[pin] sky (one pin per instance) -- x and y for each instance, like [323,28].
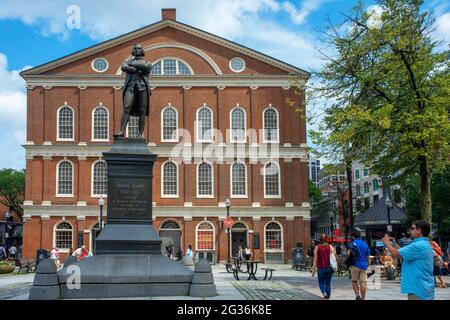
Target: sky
[36,32]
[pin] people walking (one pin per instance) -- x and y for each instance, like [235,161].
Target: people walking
[417,279]
[12,252]
[322,264]
[438,263]
[358,270]
[247,254]
[54,256]
[3,254]
[310,253]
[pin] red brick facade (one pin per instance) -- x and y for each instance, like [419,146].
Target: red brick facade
[264,82]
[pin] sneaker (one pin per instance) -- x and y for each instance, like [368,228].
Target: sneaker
[325,296]
[358,297]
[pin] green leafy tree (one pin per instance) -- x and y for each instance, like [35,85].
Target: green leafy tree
[440,184]
[388,88]
[12,189]
[314,192]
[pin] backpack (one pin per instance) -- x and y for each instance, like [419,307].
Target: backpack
[351,258]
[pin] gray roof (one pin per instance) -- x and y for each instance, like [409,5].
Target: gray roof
[378,215]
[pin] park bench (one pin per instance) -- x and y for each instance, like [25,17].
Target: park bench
[269,272]
[28,264]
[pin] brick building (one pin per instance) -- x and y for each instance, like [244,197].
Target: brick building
[218,122]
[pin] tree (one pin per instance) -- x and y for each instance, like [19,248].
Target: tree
[314,192]
[389,88]
[440,184]
[12,189]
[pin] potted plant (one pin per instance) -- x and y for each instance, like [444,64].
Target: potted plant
[7,266]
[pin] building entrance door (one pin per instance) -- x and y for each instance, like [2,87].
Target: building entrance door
[170,233]
[238,237]
[94,234]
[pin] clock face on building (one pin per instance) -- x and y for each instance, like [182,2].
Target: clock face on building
[237,64]
[100,65]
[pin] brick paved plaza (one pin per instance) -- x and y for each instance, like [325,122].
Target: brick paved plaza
[286,284]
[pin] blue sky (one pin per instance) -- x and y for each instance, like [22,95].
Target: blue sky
[36,32]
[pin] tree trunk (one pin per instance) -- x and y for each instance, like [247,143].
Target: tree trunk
[350,193]
[425,190]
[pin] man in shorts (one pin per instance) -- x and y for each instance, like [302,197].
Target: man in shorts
[359,268]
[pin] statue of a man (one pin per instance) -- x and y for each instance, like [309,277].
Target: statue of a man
[136,90]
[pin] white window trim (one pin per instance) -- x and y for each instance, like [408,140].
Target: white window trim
[197,125]
[266,196]
[54,236]
[364,175]
[57,124]
[366,192]
[231,126]
[176,126]
[212,182]
[214,236]
[104,59]
[57,180]
[264,125]
[357,179]
[162,182]
[282,238]
[94,195]
[176,66]
[92,124]
[243,68]
[231,182]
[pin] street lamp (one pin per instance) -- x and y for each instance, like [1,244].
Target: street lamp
[101,203]
[332,227]
[228,205]
[389,206]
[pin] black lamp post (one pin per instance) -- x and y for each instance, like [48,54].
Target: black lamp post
[228,205]
[101,203]
[389,206]
[332,227]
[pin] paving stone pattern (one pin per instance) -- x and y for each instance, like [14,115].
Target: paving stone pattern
[271,290]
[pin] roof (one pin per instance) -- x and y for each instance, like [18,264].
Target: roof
[157,26]
[378,215]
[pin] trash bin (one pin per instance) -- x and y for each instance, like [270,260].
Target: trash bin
[42,254]
[298,259]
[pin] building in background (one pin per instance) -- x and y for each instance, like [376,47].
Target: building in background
[313,169]
[203,87]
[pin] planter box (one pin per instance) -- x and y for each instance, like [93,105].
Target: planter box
[7,269]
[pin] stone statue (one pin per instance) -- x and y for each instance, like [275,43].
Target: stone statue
[136,90]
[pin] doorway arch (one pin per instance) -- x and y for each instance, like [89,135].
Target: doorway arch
[95,230]
[170,233]
[239,237]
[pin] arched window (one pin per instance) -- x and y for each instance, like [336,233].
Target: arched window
[238,180]
[375,184]
[65,123]
[238,125]
[204,125]
[133,127]
[239,226]
[99,179]
[63,235]
[272,180]
[271,125]
[64,178]
[170,225]
[171,66]
[169,125]
[205,236]
[205,180]
[169,179]
[366,187]
[274,236]
[100,130]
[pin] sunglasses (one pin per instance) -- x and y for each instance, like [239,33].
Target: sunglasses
[412,228]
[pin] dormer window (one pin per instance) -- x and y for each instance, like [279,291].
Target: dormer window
[171,66]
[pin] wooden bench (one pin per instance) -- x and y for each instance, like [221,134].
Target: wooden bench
[269,272]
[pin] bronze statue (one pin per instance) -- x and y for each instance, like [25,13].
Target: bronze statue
[136,90]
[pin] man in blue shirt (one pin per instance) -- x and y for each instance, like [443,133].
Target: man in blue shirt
[359,268]
[417,268]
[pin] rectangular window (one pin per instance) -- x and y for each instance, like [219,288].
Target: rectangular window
[366,172]
[357,177]
[205,240]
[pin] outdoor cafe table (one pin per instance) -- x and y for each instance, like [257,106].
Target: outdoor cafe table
[252,267]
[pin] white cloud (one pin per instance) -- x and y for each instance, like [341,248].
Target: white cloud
[299,16]
[374,21]
[13,103]
[443,28]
